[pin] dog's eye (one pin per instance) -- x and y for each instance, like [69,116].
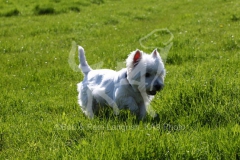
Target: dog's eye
[147,75]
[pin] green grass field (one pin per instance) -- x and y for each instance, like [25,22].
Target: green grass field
[199,108]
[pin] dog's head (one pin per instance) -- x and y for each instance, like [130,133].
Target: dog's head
[145,72]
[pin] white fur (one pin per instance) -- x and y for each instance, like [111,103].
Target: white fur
[131,88]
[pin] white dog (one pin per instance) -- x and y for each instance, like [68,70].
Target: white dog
[130,88]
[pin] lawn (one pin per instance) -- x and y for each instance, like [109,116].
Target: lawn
[199,108]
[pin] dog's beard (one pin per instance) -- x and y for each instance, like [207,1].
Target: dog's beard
[152,93]
[142,87]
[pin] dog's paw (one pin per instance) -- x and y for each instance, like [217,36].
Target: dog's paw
[116,110]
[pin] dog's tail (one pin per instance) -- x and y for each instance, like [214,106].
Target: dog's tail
[83,63]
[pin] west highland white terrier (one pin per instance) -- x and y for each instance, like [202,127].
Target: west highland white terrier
[131,88]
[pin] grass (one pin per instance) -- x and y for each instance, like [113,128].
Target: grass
[198,108]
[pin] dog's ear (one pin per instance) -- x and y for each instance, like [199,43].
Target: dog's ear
[137,57]
[155,54]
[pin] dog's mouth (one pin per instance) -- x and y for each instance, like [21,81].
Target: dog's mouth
[151,92]
[157,88]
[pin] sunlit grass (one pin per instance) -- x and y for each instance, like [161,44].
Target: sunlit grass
[198,110]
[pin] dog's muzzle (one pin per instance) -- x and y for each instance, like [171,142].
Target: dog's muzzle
[156,88]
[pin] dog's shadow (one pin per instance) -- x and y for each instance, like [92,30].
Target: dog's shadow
[124,116]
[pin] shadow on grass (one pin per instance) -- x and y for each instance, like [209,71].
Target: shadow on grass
[14,12]
[106,113]
[49,10]
[44,10]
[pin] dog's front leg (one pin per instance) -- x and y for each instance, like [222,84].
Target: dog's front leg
[142,111]
[127,103]
[132,105]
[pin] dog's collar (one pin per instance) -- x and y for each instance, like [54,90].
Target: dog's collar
[127,79]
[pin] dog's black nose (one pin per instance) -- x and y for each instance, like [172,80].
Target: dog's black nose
[158,87]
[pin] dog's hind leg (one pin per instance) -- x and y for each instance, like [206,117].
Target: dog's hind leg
[86,101]
[90,103]
[102,98]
